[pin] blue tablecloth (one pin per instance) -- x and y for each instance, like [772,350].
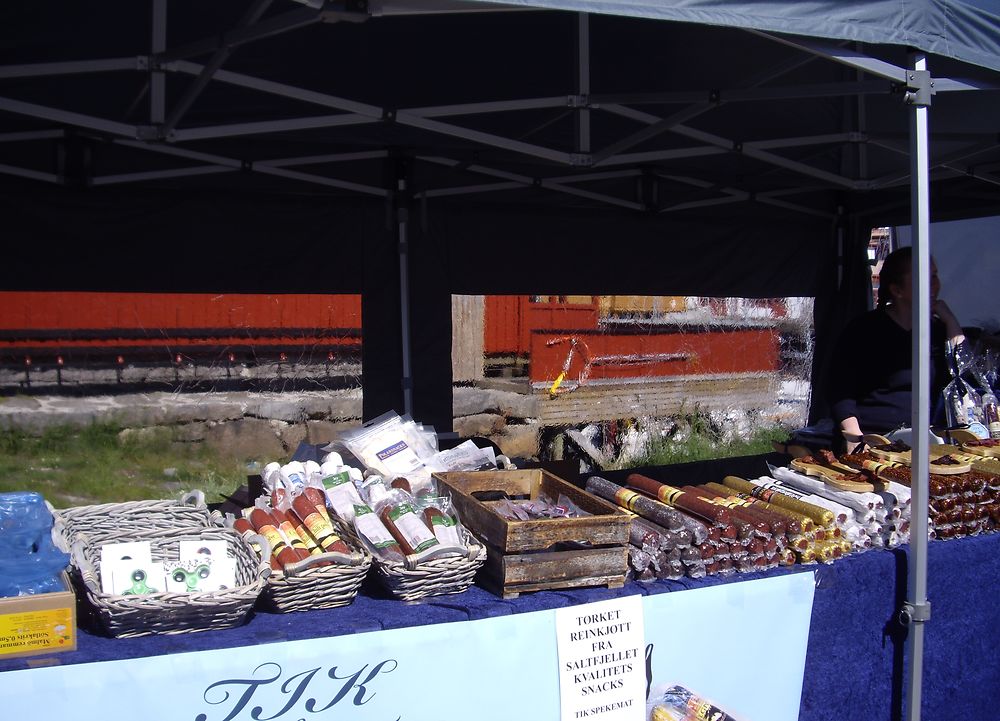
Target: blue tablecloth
[854,665]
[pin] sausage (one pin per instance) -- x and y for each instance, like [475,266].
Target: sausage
[760,526]
[243,527]
[677,498]
[681,538]
[409,529]
[266,525]
[654,511]
[374,531]
[445,527]
[791,522]
[319,526]
[318,499]
[292,536]
[822,516]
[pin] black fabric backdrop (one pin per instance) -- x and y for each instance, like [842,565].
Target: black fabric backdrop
[176,241]
[127,240]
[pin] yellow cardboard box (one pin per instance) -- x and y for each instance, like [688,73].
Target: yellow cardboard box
[43,623]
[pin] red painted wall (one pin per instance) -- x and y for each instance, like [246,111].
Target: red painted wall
[708,351]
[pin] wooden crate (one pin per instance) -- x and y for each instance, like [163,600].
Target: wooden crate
[519,554]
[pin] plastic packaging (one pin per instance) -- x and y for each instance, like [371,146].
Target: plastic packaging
[444,526]
[29,562]
[646,534]
[672,569]
[392,447]
[271,476]
[245,529]
[859,501]
[675,699]
[371,530]
[700,533]
[654,511]
[268,526]
[466,456]
[768,490]
[762,527]
[677,498]
[397,511]
[341,493]
[318,525]
[781,520]
[991,414]
[288,532]
[964,405]
[293,475]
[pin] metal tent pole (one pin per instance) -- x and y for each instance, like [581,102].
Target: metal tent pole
[403,219]
[157,78]
[916,610]
[583,81]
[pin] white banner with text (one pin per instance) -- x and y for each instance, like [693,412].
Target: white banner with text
[664,657]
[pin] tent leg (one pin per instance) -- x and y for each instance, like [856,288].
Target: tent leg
[402,220]
[157,77]
[916,611]
[583,82]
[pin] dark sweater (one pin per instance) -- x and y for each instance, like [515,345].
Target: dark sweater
[871,375]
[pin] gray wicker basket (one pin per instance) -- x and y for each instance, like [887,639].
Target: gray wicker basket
[309,586]
[171,613]
[305,586]
[96,522]
[416,579]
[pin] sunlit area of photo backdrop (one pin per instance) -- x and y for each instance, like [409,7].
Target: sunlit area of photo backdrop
[74,341]
[623,381]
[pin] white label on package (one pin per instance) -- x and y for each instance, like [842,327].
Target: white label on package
[416,533]
[399,459]
[342,494]
[446,530]
[369,526]
[602,660]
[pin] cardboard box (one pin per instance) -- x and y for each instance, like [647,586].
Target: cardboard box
[42,623]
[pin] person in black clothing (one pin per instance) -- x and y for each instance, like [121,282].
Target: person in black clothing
[871,377]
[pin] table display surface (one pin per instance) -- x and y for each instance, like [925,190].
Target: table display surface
[855,653]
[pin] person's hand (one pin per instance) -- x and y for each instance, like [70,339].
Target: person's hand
[941,309]
[951,324]
[851,431]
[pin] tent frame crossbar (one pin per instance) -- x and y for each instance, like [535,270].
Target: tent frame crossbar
[872,74]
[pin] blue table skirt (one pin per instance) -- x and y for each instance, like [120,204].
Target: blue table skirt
[854,664]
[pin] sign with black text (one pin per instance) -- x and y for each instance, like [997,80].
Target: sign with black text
[602,671]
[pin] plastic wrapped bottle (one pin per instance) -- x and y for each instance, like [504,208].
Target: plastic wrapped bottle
[991,414]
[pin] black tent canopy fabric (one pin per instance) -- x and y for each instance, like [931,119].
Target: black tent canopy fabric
[647,147]
[967,30]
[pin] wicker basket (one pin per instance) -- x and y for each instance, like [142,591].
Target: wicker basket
[97,522]
[170,613]
[416,579]
[308,587]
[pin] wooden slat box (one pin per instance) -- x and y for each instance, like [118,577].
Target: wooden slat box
[518,556]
